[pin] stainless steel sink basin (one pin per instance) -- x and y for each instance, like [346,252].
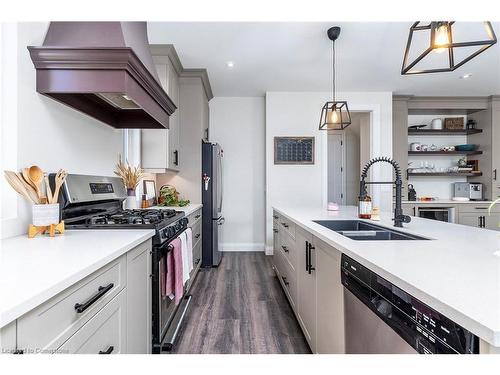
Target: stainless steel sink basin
[362,231]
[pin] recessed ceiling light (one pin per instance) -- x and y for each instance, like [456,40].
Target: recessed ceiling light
[230,64]
[466,76]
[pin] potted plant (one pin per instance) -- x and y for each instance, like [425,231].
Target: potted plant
[131,176]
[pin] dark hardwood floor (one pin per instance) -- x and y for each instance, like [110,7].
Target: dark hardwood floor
[240,308]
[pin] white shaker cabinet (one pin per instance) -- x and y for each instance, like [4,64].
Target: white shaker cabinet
[160,148]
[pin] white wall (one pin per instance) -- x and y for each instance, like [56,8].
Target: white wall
[50,134]
[238,124]
[297,114]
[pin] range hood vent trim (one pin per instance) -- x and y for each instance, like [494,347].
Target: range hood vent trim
[76,75]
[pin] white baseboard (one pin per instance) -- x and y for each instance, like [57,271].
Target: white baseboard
[242,246]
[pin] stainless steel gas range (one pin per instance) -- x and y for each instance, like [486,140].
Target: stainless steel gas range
[95,202]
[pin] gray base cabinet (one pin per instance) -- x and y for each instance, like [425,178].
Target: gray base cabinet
[330,300]
[118,321]
[316,296]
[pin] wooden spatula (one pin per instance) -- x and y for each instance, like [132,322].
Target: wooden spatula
[18,186]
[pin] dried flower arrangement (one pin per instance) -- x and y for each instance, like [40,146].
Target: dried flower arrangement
[131,176]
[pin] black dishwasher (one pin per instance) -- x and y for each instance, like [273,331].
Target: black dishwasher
[381,318]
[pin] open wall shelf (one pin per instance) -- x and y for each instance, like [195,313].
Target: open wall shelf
[443,131]
[444,153]
[445,174]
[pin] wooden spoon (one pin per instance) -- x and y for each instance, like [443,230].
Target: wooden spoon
[47,188]
[29,186]
[36,177]
[18,186]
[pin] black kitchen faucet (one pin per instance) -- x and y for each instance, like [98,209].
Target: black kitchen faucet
[399,217]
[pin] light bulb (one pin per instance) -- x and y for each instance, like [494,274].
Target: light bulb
[333,117]
[441,38]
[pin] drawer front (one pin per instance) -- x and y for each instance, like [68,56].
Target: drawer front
[194,217]
[288,226]
[480,208]
[196,229]
[59,317]
[288,248]
[104,333]
[288,279]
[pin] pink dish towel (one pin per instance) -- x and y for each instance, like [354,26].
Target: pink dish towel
[174,287]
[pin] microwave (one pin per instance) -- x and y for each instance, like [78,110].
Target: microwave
[446,214]
[470,190]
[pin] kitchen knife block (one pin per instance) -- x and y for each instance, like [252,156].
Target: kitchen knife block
[33,230]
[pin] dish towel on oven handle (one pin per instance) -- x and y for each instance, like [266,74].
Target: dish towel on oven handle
[174,283]
[187,253]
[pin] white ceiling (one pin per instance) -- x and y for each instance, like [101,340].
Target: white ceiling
[297,57]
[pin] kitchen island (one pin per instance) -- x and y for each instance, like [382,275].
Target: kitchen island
[456,271]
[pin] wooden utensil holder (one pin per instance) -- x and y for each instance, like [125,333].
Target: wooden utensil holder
[33,230]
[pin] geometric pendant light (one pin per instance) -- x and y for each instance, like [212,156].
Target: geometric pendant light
[334,114]
[439,39]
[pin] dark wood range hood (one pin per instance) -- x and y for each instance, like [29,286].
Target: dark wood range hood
[103,69]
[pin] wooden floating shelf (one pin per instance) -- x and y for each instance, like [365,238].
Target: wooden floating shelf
[445,152]
[445,174]
[443,131]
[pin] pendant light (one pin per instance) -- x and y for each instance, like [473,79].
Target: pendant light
[334,114]
[441,40]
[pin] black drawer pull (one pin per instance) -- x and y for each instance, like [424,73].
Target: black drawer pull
[101,291]
[481,208]
[285,249]
[275,230]
[284,281]
[285,225]
[197,236]
[107,351]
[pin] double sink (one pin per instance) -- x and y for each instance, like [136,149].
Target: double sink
[363,231]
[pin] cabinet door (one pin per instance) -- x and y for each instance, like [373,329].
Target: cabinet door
[306,299]
[495,148]
[329,300]
[105,333]
[471,219]
[139,299]
[174,121]
[492,221]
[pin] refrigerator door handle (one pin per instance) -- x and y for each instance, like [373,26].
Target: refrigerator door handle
[220,181]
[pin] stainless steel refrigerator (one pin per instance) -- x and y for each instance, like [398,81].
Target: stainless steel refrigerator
[212,193]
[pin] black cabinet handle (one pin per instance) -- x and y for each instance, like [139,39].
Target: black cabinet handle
[107,351]
[285,225]
[494,174]
[307,256]
[284,281]
[309,248]
[101,291]
[197,236]
[275,230]
[285,249]
[176,157]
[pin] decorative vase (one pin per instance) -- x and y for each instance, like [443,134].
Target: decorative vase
[131,201]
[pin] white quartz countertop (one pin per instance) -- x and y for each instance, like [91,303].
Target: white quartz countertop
[188,210]
[34,270]
[457,272]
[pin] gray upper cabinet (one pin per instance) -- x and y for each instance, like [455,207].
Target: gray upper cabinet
[495,139]
[160,149]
